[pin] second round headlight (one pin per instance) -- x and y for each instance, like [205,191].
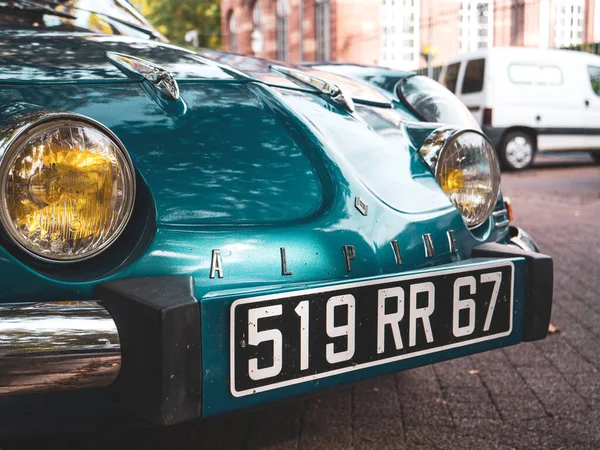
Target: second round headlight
[67,188]
[466,167]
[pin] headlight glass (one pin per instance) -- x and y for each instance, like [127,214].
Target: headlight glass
[67,189]
[466,168]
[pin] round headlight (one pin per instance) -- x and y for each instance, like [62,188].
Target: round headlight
[67,188]
[466,167]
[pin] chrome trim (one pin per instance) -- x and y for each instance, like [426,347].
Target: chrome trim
[435,143]
[361,205]
[502,223]
[157,76]
[349,255]
[429,248]
[284,269]
[500,212]
[57,346]
[216,264]
[20,120]
[397,254]
[451,241]
[332,91]
[521,239]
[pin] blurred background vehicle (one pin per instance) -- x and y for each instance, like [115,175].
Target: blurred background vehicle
[529,100]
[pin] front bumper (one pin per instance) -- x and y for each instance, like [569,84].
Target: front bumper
[167,369]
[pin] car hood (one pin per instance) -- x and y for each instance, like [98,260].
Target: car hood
[231,150]
[33,57]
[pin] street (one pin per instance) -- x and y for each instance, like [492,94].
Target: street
[535,395]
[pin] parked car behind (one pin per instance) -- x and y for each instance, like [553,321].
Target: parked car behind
[530,100]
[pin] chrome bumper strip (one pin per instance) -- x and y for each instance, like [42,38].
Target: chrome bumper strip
[56,346]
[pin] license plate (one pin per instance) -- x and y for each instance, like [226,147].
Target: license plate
[284,339]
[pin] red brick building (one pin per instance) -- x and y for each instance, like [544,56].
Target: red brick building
[393,33]
[303,30]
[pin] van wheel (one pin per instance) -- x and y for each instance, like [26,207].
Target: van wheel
[517,151]
[595,156]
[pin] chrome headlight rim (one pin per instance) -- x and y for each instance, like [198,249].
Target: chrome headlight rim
[16,132]
[439,141]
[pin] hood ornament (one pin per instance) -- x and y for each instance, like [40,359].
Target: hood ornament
[161,79]
[330,90]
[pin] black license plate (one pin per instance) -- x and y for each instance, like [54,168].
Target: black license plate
[283,339]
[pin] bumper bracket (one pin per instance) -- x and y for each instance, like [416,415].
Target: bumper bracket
[158,320]
[539,279]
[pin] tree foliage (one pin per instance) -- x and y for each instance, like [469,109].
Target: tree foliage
[174,18]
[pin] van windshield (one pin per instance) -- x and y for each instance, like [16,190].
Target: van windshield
[451,77]
[474,75]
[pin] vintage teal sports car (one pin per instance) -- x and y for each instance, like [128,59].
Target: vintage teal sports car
[203,233]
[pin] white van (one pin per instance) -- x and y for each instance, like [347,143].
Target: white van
[529,100]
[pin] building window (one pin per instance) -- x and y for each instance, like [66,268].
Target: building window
[283,12]
[400,34]
[232,33]
[476,24]
[569,24]
[256,38]
[323,25]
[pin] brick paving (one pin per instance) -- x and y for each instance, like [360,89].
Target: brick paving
[535,395]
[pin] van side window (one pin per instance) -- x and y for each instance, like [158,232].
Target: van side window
[594,73]
[473,80]
[522,73]
[451,77]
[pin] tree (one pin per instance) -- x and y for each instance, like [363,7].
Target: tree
[174,18]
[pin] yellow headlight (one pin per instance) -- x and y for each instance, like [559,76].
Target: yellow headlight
[465,165]
[67,189]
[468,172]
[452,180]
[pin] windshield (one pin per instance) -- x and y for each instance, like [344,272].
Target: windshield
[114,17]
[433,102]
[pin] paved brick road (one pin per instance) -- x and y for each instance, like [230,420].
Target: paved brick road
[536,395]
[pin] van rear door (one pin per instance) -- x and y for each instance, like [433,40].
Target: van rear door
[592,103]
[471,87]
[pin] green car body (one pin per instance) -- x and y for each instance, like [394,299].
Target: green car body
[264,171]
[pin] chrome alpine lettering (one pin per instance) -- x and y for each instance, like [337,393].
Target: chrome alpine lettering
[216,265]
[349,255]
[397,254]
[349,251]
[428,243]
[451,241]
[284,270]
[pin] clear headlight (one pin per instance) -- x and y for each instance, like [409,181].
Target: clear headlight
[67,188]
[466,167]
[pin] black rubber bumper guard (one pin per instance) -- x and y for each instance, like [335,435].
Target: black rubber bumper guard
[538,286]
[158,320]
